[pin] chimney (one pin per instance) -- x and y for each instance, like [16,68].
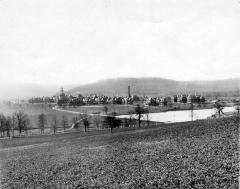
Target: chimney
[129,92]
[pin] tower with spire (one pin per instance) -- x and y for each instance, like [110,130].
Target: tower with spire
[62,94]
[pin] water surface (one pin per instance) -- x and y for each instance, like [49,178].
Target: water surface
[182,116]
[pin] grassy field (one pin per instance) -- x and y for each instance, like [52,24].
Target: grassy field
[33,111]
[125,109]
[201,154]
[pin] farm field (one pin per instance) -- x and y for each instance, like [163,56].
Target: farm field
[200,154]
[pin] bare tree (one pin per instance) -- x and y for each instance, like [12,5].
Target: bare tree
[219,106]
[111,122]
[13,124]
[139,111]
[105,109]
[132,120]
[2,124]
[64,122]
[42,121]
[237,107]
[85,119]
[147,116]
[191,108]
[126,122]
[86,123]
[54,123]
[22,121]
[97,120]
[8,125]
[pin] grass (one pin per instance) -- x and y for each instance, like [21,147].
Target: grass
[33,111]
[95,109]
[125,109]
[201,154]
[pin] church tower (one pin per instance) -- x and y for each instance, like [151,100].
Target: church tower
[62,94]
[61,91]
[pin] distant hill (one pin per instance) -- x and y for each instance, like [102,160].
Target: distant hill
[159,86]
[25,91]
[139,86]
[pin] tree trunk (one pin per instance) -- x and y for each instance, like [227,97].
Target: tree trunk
[139,122]
[147,120]
[26,131]
[191,111]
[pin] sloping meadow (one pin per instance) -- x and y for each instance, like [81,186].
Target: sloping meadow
[201,154]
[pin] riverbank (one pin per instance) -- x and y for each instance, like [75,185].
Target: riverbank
[183,115]
[128,109]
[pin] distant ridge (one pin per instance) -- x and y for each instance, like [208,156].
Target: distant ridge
[28,90]
[118,86]
[158,86]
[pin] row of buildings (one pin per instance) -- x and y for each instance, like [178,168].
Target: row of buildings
[181,98]
[93,99]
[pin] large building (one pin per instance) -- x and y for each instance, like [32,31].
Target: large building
[62,98]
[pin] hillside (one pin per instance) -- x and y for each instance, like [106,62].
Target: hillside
[159,86]
[201,154]
[139,86]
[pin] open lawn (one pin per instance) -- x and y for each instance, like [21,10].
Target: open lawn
[125,109]
[201,154]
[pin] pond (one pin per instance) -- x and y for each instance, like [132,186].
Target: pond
[182,116]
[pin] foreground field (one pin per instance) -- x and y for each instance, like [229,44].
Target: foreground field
[202,154]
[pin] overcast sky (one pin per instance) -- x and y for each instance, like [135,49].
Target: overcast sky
[82,41]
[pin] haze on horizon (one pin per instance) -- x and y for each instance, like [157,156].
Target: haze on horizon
[77,42]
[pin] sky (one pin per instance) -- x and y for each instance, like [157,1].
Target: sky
[83,41]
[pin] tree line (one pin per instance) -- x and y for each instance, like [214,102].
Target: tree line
[9,124]
[18,123]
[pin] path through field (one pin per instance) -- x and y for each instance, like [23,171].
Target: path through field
[75,112]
